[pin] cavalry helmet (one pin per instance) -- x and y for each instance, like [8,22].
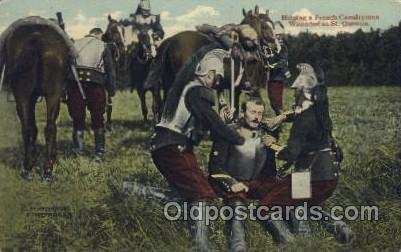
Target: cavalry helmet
[144,5]
[306,79]
[212,61]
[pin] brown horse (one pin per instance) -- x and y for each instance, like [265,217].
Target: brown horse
[36,54]
[186,46]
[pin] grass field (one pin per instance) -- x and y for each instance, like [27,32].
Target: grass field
[84,210]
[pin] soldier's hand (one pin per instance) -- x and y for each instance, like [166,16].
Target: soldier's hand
[268,140]
[239,187]
[226,114]
[275,122]
[287,74]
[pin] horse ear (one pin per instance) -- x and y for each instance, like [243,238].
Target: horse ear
[109,18]
[267,12]
[243,12]
[257,10]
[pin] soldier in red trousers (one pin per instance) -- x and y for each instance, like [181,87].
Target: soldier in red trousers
[96,72]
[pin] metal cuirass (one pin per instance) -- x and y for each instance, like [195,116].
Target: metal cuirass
[182,122]
[145,20]
[246,161]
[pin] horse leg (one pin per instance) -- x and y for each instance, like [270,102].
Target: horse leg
[26,114]
[142,98]
[156,103]
[53,109]
[54,72]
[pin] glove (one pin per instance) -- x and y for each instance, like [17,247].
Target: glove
[268,140]
[226,114]
[225,181]
[275,122]
[239,187]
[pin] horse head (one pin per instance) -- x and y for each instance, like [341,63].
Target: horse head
[146,46]
[114,36]
[262,24]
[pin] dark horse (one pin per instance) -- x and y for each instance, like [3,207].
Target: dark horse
[36,54]
[135,50]
[178,49]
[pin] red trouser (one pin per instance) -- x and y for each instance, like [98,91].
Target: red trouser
[275,93]
[280,193]
[183,172]
[257,189]
[277,192]
[95,100]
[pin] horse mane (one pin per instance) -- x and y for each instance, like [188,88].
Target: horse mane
[183,77]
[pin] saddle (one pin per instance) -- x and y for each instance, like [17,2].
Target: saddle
[225,35]
[33,21]
[229,37]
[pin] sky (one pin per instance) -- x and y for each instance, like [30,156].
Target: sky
[178,15]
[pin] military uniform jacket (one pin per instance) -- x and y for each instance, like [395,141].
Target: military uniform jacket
[281,67]
[95,64]
[309,147]
[199,102]
[243,162]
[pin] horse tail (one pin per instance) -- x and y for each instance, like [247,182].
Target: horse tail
[30,57]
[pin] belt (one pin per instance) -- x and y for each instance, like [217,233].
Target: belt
[322,150]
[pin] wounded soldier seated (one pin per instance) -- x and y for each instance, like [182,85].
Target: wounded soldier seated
[242,172]
[239,173]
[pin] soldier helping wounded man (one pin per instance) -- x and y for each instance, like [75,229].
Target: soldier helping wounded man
[245,172]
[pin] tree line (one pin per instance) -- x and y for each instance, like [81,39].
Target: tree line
[359,58]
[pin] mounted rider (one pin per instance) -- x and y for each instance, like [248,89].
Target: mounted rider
[96,72]
[146,23]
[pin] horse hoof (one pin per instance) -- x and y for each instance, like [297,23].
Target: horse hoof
[47,176]
[27,175]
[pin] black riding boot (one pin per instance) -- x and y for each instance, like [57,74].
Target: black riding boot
[78,140]
[199,229]
[99,144]
[237,230]
[299,227]
[279,231]
[339,229]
